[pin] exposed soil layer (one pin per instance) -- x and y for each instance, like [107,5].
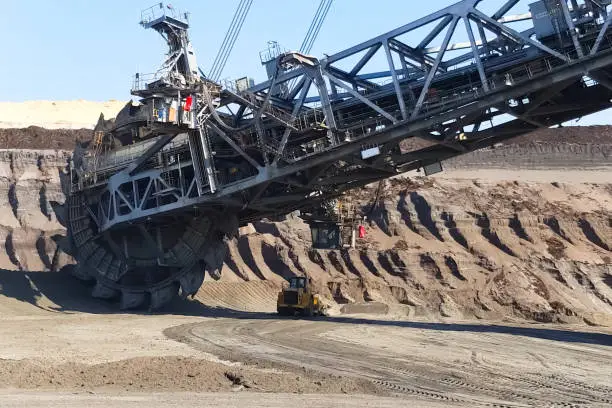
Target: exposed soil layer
[485,250]
[166,373]
[35,137]
[460,248]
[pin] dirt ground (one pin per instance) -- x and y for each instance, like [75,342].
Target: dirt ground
[54,357]
[19,399]
[58,347]
[446,362]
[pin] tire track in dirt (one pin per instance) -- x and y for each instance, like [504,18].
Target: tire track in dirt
[305,343]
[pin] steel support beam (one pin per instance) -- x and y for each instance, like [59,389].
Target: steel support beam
[572,28]
[434,68]
[452,10]
[601,35]
[157,146]
[355,80]
[319,81]
[396,84]
[361,98]
[519,116]
[505,8]
[365,59]
[296,110]
[476,53]
[312,178]
[503,29]
[363,163]
[415,54]
[434,33]
[233,145]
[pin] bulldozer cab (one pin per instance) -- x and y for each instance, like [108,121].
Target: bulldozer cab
[298,282]
[326,235]
[333,224]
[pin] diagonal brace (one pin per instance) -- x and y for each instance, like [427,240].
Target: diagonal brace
[501,28]
[361,98]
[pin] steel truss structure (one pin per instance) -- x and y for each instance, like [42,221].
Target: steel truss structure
[318,127]
[298,154]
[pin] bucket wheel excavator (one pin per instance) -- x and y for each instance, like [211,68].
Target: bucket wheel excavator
[153,197]
[152,261]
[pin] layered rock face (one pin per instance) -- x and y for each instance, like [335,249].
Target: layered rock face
[566,148]
[461,249]
[29,180]
[485,248]
[464,248]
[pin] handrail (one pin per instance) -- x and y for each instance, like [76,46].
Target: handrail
[163,10]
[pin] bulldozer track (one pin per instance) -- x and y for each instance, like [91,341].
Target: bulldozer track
[557,384]
[493,391]
[419,392]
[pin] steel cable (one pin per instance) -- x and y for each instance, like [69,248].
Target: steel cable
[230,39]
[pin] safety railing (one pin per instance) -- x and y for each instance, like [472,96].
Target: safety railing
[160,10]
[272,52]
[141,82]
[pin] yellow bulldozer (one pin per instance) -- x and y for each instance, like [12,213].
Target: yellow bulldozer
[298,298]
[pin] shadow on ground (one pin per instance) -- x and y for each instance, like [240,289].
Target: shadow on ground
[61,292]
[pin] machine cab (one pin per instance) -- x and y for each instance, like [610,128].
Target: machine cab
[326,235]
[298,282]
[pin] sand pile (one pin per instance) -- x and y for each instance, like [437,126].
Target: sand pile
[462,249]
[56,114]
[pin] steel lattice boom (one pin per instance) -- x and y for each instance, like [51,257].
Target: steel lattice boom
[198,150]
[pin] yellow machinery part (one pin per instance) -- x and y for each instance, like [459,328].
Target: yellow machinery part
[98,135]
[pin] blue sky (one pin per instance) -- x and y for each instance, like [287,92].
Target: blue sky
[76,49]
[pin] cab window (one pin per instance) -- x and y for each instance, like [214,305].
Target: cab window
[297,283]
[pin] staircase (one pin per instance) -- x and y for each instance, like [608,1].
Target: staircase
[269,110]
